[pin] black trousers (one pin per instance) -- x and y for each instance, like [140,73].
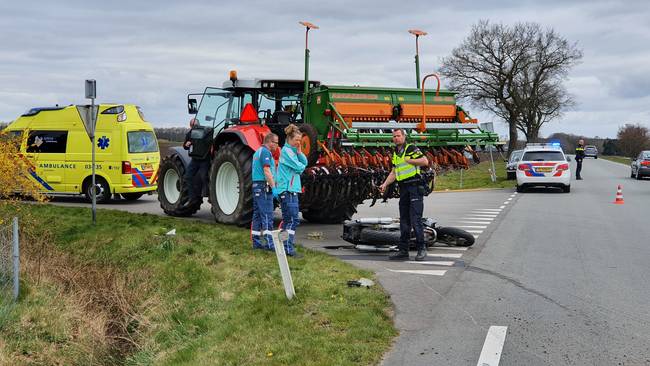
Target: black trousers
[579,167]
[411,206]
[194,186]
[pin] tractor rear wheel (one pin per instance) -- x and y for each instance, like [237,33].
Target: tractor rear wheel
[231,184]
[170,192]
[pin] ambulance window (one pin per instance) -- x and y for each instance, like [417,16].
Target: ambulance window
[47,142]
[142,142]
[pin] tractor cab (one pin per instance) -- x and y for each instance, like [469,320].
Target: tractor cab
[272,102]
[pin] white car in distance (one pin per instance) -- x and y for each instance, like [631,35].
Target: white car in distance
[543,165]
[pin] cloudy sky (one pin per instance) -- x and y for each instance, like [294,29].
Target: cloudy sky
[152,53]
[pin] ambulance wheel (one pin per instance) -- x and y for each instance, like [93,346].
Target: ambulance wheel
[102,191]
[231,184]
[170,193]
[132,196]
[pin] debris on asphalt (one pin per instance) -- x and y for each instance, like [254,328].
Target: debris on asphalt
[315,235]
[361,282]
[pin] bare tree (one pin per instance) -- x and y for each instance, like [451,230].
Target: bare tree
[515,72]
[632,139]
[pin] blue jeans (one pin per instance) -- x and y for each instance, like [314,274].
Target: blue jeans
[290,211]
[262,217]
[411,206]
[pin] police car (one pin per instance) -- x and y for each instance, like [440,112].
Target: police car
[543,165]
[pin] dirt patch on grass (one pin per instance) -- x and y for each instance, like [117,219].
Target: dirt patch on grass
[96,311]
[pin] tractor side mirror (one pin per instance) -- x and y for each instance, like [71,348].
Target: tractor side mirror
[192,106]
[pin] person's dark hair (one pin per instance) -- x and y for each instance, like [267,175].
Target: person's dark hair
[292,130]
[400,130]
[269,137]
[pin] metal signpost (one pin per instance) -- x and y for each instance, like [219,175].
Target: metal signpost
[16,258]
[89,117]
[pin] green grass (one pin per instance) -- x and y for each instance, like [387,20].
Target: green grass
[203,297]
[617,159]
[477,176]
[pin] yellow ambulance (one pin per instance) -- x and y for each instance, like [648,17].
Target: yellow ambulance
[57,146]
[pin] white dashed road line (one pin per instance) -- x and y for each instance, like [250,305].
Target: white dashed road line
[473,226]
[492,347]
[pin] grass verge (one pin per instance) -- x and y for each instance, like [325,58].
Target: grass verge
[477,176]
[617,159]
[124,293]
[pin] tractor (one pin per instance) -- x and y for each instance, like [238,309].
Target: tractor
[346,137]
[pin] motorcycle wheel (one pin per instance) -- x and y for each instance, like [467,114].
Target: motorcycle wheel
[454,237]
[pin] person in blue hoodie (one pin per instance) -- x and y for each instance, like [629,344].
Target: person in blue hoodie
[291,164]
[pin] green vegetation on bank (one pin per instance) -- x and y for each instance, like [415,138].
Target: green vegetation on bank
[477,176]
[617,159]
[125,293]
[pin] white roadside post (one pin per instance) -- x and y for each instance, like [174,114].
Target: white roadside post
[89,119]
[16,257]
[287,281]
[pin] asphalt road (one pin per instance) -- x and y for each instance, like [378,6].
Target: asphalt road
[567,274]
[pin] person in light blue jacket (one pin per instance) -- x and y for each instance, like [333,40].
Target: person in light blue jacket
[291,164]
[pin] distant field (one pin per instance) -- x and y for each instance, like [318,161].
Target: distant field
[617,159]
[164,145]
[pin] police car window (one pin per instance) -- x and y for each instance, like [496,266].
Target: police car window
[543,156]
[47,142]
[142,142]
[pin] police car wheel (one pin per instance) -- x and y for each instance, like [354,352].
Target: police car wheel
[102,190]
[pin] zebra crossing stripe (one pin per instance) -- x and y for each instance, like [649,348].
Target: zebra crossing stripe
[430,272]
[433,263]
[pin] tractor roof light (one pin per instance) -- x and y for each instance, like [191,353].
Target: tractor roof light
[233,76]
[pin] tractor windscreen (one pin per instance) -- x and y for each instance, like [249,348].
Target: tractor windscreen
[213,109]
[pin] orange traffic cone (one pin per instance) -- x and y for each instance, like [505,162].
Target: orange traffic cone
[619,196]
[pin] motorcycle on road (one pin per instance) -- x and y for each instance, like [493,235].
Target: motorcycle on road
[382,234]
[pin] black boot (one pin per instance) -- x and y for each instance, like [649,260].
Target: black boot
[422,254]
[399,256]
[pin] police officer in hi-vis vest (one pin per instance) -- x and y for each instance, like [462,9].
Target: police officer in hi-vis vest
[407,160]
[580,155]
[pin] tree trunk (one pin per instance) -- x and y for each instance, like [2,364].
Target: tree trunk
[512,143]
